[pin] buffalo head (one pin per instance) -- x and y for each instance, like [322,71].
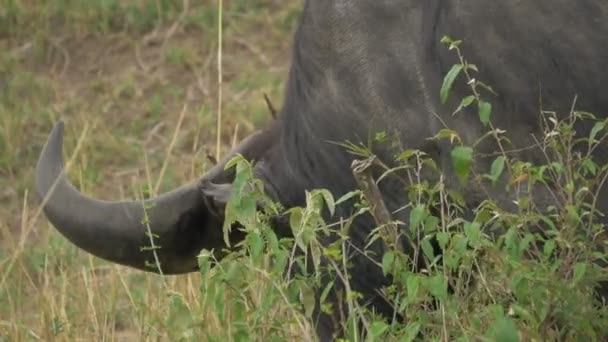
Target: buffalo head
[176,225]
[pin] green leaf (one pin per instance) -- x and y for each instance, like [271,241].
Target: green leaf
[465,103]
[377,329]
[387,262]
[430,224]
[462,158]
[407,154]
[447,133]
[472,67]
[307,298]
[572,214]
[548,248]
[411,332]
[413,284]
[219,303]
[446,40]
[417,216]
[256,244]
[296,218]
[348,196]
[472,231]
[325,292]
[590,166]
[427,248]
[204,261]
[438,286]
[180,317]
[443,238]
[505,330]
[498,166]
[450,43]
[448,80]
[329,200]
[579,271]
[485,110]
[595,130]
[380,137]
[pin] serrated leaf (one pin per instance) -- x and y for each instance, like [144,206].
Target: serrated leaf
[447,133]
[498,166]
[387,262]
[572,214]
[548,248]
[407,154]
[411,332]
[590,166]
[430,224]
[256,244]
[595,130]
[579,271]
[296,215]
[347,196]
[417,215]
[180,315]
[443,238]
[377,329]
[485,110]
[413,284]
[233,161]
[204,261]
[329,200]
[325,292]
[427,248]
[472,231]
[446,40]
[219,303]
[448,81]
[295,219]
[438,286]
[505,330]
[380,136]
[307,298]
[462,159]
[465,102]
[454,44]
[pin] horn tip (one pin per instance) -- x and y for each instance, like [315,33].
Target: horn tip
[50,162]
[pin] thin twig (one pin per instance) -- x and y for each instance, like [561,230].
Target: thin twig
[219,79]
[382,217]
[270,106]
[170,148]
[27,229]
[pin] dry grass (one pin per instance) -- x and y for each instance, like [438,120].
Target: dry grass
[141,79]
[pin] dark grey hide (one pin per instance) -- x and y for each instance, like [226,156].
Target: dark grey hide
[359,67]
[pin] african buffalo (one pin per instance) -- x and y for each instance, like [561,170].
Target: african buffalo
[360,67]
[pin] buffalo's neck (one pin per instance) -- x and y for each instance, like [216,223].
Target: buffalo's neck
[347,82]
[352,78]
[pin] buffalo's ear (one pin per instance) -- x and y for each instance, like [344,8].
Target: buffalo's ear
[216,184]
[216,196]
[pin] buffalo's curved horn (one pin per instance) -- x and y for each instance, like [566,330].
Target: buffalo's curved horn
[180,222]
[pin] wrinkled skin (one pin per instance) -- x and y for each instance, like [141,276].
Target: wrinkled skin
[359,67]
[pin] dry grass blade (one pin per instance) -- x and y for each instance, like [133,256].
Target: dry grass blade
[27,229]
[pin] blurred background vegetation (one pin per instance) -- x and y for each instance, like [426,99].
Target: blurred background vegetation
[133,75]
